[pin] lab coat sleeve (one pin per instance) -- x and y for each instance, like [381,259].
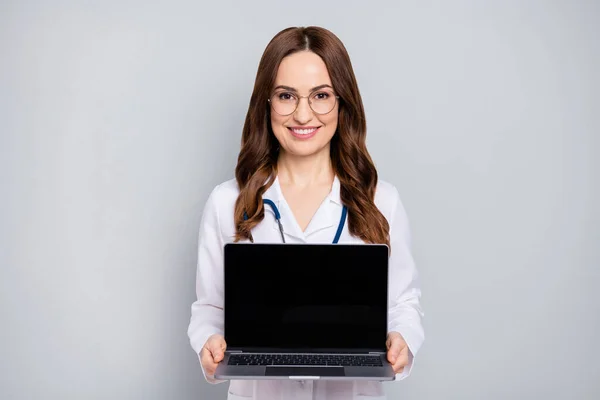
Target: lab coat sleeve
[207,316]
[405,311]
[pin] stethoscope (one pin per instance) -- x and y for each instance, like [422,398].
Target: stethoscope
[278,218]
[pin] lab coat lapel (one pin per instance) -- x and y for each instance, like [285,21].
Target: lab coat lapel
[329,212]
[290,226]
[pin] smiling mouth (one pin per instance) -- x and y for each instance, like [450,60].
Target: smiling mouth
[304,131]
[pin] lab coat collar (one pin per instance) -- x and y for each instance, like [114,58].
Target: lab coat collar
[273,193]
[323,218]
[335,191]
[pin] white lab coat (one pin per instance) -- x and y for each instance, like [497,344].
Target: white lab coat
[217,228]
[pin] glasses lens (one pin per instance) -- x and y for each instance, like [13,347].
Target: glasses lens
[284,103]
[322,101]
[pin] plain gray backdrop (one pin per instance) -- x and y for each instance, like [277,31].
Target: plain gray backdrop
[118,117]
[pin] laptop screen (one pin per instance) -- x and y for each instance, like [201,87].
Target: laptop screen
[306,297]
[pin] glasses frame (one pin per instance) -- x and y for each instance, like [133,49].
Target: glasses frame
[337,98]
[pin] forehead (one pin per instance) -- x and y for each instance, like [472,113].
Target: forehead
[303,71]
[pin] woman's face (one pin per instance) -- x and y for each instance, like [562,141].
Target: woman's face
[304,132]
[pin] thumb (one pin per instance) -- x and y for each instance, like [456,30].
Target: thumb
[217,348]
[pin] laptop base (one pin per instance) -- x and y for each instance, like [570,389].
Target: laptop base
[304,372]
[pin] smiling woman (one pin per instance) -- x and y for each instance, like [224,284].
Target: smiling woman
[309,64]
[303,153]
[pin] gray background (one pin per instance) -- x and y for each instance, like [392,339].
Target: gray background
[118,117]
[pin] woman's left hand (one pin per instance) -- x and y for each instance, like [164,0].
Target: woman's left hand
[397,353]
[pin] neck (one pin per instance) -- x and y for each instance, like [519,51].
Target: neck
[304,171]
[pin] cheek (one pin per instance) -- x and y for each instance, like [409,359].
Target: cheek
[277,124]
[331,121]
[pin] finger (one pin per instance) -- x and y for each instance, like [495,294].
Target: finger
[217,348]
[401,361]
[394,349]
[208,362]
[388,341]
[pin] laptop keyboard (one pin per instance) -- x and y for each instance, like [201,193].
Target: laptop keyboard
[305,359]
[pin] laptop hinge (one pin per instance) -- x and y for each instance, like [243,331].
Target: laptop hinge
[376,352]
[234,351]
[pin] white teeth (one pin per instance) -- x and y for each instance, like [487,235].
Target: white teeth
[303,131]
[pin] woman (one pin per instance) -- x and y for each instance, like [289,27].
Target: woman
[303,147]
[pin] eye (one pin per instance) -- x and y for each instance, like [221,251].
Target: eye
[285,96]
[321,96]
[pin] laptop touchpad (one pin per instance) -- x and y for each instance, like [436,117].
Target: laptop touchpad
[304,371]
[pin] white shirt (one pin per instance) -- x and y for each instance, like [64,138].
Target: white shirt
[217,228]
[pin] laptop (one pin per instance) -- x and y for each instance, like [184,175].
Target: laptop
[305,311]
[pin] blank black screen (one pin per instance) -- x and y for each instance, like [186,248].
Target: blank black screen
[298,296]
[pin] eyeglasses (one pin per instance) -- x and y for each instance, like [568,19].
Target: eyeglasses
[321,101]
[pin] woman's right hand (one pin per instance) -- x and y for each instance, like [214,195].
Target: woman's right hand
[212,353]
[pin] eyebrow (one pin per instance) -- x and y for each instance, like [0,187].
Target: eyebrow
[291,89]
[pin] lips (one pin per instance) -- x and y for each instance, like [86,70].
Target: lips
[304,132]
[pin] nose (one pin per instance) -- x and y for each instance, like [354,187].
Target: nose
[303,112]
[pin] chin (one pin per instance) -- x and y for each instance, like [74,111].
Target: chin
[306,151]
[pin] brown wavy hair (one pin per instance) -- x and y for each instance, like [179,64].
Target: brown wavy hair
[257,161]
